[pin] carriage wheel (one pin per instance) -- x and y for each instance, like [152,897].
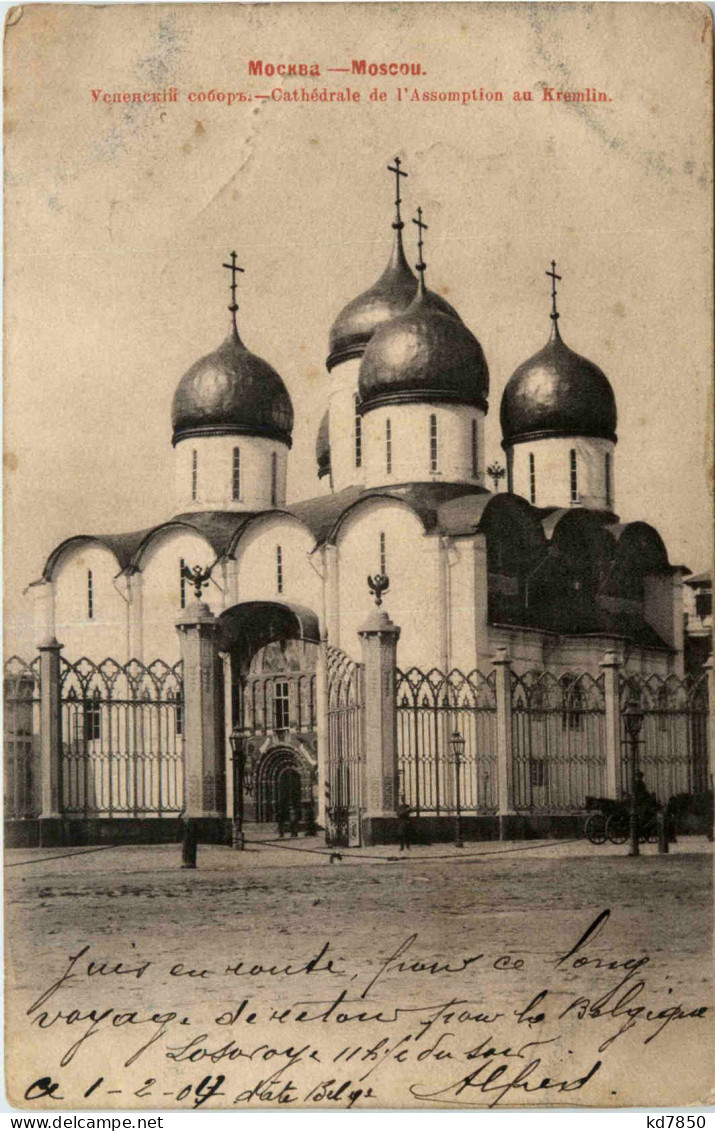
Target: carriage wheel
[595,828]
[617,828]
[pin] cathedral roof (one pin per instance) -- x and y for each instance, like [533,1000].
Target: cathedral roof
[424,355]
[231,391]
[322,446]
[557,393]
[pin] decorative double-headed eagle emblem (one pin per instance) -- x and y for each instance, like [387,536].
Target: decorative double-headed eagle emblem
[378,585]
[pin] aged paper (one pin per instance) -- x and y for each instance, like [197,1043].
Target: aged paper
[527,967]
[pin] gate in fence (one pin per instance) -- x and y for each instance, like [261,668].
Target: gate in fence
[122,739]
[345,708]
[431,708]
[558,740]
[673,741]
[21,727]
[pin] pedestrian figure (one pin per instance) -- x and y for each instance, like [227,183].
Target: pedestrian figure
[294,821]
[282,822]
[403,824]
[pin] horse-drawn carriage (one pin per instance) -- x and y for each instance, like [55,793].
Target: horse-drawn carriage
[610,820]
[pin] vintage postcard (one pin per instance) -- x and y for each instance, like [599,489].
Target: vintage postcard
[358,590]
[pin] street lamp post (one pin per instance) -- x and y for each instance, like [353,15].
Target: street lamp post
[238,753]
[457,744]
[633,716]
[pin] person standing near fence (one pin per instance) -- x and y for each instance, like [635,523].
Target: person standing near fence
[403,824]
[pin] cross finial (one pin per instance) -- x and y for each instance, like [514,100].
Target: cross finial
[234,269]
[553,276]
[421,266]
[397,170]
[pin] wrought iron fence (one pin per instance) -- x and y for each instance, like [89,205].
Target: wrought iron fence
[21,727]
[558,740]
[345,679]
[673,742]
[122,738]
[431,707]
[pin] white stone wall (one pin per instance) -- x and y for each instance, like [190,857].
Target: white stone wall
[411,448]
[160,589]
[413,566]
[106,632]
[256,564]
[215,473]
[341,408]
[553,471]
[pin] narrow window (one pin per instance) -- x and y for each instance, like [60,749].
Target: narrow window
[279,569]
[433,443]
[182,584]
[93,717]
[274,479]
[90,595]
[383,553]
[281,705]
[236,474]
[607,471]
[532,478]
[358,435]
[388,447]
[475,449]
[194,475]
[574,475]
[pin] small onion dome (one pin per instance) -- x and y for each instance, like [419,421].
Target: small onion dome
[391,295]
[557,393]
[422,356]
[322,447]
[232,392]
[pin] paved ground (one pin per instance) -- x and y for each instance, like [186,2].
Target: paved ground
[277,903]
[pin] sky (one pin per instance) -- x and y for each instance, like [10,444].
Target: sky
[119,216]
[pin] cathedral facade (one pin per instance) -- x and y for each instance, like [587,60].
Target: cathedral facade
[536,562]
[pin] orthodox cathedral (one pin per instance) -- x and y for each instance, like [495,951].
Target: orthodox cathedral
[542,567]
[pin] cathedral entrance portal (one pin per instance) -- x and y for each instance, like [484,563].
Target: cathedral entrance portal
[283,782]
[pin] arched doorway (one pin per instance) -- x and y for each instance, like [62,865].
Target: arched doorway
[283,781]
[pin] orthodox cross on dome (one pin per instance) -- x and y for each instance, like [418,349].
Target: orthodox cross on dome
[553,276]
[421,266]
[234,269]
[398,225]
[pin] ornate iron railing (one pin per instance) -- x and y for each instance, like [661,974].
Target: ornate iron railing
[122,738]
[558,740]
[673,741]
[345,706]
[21,728]
[431,707]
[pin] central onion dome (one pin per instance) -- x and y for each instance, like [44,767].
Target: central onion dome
[232,392]
[557,393]
[322,447]
[389,296]
[424,355]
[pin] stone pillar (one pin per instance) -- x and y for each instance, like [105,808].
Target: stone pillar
[379,638]
[135,613]
[204,756]
[481,605]
[611,666]
[321,708]
[505,762]
[50,743]
[332,595]
[228,727]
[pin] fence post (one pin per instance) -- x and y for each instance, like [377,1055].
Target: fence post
[379,638]
[204,757]
[505,761]
[50,741]
[322,724]
[611,666]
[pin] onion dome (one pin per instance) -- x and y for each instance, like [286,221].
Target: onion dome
[322,447]
[557,393]
[424,355]
[232,392]
[389,296]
